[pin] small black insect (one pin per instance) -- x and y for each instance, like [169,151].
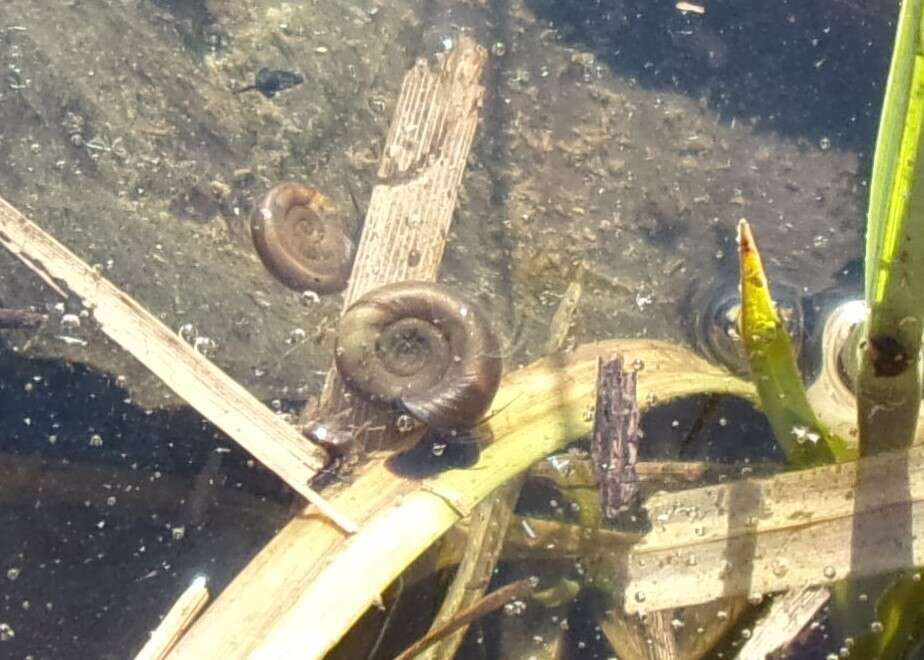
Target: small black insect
[269,81]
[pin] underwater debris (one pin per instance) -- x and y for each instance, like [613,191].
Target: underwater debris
[270,81]
[614,443]
[19,318]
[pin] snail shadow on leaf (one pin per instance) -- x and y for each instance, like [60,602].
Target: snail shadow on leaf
[435,454]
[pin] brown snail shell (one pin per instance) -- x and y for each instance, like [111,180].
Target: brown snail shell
[420,346]
[299,240]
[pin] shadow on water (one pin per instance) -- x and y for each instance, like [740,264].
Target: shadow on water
[804,68]
[109,510]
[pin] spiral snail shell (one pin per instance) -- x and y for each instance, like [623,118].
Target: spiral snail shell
[299,241]
[421,347]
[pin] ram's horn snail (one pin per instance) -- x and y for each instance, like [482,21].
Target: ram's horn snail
[713,318]
[299,240]
[422,348]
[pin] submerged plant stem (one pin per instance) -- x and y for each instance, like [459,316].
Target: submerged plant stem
[493,601]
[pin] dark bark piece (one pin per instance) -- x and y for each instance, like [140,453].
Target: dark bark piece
[19,318]
[614,446]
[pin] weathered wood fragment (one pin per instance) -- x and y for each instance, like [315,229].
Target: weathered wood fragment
[410,212]
[614,444]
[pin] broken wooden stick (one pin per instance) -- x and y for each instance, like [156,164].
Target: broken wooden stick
[184,611]
[410,212]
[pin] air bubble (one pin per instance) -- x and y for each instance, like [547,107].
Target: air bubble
[780,567]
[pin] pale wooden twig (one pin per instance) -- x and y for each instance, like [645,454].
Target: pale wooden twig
[614,443]
[410,212]
[661,633]
[788,615]
[192,376]
[184,611]
[563,317]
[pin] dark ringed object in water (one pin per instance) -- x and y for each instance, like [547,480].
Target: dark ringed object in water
[715,323]
[421,347]
[299,240]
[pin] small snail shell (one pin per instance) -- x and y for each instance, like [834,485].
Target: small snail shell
[420,346]
[299,241]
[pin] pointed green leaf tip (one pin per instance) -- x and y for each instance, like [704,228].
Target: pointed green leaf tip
[803,439]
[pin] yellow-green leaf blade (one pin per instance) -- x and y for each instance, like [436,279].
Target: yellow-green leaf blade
[803,439]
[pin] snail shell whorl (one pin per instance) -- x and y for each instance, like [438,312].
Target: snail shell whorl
[299,241]
[420,346]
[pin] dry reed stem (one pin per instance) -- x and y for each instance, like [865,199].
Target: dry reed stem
[205,387]
[184,611]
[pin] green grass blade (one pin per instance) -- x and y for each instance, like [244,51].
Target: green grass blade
[888,399]
[885,189]
[889,382]
[803,439]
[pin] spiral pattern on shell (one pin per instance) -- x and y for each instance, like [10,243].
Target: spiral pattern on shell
[421,347]
[299,240]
